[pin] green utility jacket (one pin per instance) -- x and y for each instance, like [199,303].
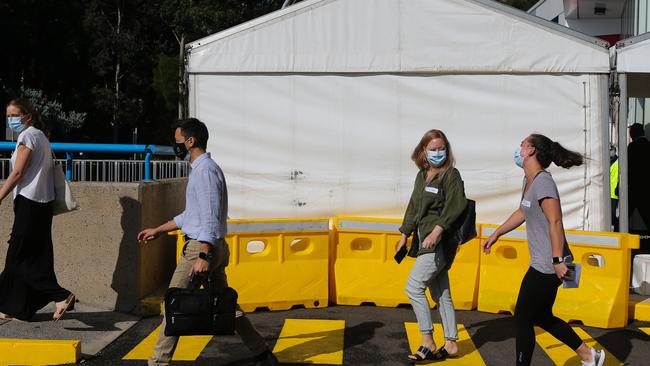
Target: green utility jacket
[440,202]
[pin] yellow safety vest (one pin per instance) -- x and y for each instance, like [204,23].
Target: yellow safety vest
[613,179]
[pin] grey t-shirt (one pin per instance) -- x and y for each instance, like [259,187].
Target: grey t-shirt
[539,238]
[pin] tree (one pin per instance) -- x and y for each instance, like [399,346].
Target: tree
[120,58]
[52,112]
[194,19]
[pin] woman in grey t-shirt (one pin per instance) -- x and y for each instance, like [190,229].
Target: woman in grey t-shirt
[540,209]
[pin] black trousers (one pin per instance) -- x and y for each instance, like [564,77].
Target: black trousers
[28,282]
[535,307]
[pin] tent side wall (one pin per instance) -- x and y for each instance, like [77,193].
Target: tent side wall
[296,145]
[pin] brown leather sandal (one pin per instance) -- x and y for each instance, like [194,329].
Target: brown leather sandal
[67,305]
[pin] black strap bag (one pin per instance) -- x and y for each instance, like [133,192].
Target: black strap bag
[464,228]
[196,311]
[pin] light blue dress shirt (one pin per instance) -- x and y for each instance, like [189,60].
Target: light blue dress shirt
[206,202]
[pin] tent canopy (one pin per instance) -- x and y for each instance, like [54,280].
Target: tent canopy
[394,36]
[314,110]
[633,54]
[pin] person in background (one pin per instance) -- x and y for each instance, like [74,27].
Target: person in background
[28,281]
[438,198]
[204,225]
[613,186]
[638,165]
[540,209]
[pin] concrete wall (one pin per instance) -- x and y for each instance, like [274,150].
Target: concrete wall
[96,252]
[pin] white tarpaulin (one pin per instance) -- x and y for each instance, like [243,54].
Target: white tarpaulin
[321,143]
[633,55]
[397,36]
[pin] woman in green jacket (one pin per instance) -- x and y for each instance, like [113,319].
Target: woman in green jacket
[438,198]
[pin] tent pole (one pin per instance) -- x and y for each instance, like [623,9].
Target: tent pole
[605,130]
[623,194]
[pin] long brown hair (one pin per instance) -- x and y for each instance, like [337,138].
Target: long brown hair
[419,155]
[26,107]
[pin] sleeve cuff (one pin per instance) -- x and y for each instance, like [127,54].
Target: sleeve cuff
[179,221]
[206,238]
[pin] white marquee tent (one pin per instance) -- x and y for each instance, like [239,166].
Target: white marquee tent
[314,110]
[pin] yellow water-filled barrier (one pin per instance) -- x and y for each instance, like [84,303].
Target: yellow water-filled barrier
[279,263]
[364,270]
[600,300]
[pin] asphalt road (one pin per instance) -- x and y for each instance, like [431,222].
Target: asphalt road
[377,336]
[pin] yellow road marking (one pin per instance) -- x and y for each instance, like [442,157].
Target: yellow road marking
[561,354]
[189,348]
[311,341]
[468,354]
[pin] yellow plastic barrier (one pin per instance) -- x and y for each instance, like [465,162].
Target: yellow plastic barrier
[279,263]
[365,271]
[601,300]
[180,242]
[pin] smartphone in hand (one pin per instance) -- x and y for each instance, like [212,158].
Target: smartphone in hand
[572,278]
[401,253]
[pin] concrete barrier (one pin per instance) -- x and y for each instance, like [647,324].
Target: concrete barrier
[96,253]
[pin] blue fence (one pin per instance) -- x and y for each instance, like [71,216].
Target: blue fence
[71,148]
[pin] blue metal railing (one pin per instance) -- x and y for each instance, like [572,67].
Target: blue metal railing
[71,148]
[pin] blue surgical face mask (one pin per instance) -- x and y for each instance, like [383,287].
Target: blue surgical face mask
[519,160]
[15,124]
[436,158]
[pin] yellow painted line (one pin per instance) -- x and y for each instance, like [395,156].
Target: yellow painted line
[311,341]
[467,352]
[189,348]
[645,330]
[38,352]
[561,354]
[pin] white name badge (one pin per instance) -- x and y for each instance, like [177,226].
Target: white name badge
[433,190]
[525,203]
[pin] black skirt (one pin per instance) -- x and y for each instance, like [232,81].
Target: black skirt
[28,282]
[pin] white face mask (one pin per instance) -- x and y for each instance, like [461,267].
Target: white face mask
[519,160]
[15,124]
[436,158]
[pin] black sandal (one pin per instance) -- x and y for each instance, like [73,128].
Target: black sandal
[428,355]
[442,354]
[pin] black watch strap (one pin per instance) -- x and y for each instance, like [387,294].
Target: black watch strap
[205,256]
[558,260]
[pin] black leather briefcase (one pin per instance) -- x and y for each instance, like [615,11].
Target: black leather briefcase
[194,311]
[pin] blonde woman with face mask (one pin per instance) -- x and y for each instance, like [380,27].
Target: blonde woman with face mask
[438,199]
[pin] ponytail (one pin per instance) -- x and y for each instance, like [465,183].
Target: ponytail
[564,157]
[550,151]
[26,108]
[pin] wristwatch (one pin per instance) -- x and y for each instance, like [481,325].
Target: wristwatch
[558,260]
[205,256]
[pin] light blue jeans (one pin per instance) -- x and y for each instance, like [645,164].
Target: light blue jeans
[429,271]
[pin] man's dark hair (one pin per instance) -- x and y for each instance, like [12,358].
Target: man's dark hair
[192,127]
[636,131]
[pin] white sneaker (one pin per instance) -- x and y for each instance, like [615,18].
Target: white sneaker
[598,358]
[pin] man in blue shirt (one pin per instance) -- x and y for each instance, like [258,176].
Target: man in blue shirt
[204,225]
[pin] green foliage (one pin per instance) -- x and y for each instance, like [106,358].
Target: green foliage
[165,80]
[52,111]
